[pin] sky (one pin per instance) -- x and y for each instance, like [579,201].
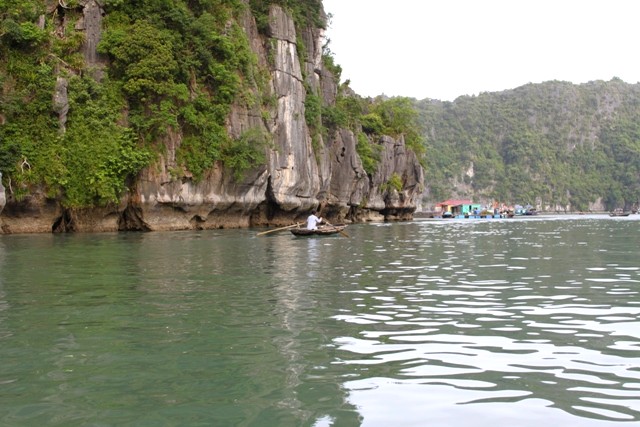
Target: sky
[442,49]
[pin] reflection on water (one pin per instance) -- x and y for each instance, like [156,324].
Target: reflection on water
[498,322]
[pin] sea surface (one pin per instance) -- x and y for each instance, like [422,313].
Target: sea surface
[512,322]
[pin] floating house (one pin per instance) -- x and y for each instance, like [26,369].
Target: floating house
[454,208]
[463,208]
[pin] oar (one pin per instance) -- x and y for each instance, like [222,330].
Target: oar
[341,231]
[278,229]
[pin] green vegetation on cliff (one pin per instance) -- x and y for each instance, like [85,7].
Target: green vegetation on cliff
[174,66]
[370,119]
[554,144]
[167,76]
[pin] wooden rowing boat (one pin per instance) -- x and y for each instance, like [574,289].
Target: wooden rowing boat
[619,213]
[323,230]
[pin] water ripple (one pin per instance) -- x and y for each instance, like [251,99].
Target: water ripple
[558,336]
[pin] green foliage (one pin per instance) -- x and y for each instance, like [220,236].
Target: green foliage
[372,124]
[394,117]
[96,155]
[394,183]
[22,34]
[25,104]
[329,63]
[313,110]
[67,49]
[143,57]
[99,178]
[247,152]
[554,143]
[313,117]
[334,118]
[351,109]
[369,153]
[400,117]
[88,164]
[174,66]
[346,113]
[18,27]
[204,135]
[182,68]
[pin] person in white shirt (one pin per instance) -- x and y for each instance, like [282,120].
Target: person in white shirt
[313,221]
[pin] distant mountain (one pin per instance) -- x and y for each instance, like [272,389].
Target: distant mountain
[556,145]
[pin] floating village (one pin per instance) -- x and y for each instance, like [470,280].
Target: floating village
[467,209]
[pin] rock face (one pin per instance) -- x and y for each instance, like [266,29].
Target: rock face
[299,176]
[3,197]
[91,24]
[61,102]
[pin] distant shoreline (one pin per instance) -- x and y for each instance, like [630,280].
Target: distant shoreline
[433,214]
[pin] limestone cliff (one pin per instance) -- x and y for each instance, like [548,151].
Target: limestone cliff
[298,176]
[3,198]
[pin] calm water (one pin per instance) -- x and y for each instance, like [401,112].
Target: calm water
[468,323]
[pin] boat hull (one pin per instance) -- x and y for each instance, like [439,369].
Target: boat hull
[320,231]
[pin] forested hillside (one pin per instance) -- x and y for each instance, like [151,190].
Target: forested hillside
[556,145]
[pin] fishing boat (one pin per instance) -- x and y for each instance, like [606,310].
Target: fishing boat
[323,230]
[619,213]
